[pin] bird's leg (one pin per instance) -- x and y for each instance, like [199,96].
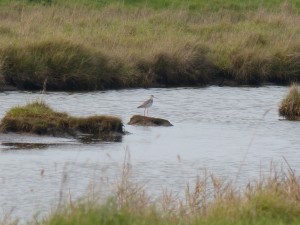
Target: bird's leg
[145,111]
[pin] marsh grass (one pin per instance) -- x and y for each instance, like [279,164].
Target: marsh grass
[82,47]
[66,66]
[290,105]
[273,199]
[192,5]
[38,118]
[2,81]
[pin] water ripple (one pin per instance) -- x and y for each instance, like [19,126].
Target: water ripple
[224,130]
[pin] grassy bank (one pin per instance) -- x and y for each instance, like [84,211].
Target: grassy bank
[39,118]
[290,105]
[272,200]
[90,45]
[192,5]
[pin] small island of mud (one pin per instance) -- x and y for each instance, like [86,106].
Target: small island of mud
[39,118]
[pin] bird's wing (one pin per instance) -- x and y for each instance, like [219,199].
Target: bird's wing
[144,105]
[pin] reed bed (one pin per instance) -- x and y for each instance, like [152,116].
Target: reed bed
[80,47]
[273,199]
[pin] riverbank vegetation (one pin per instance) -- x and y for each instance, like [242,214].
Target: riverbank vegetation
[274,199]
[39,118]
[290,105]
[92,45]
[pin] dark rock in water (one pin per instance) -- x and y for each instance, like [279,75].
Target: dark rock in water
[148,121]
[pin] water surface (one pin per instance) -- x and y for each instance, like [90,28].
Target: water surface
[228,131]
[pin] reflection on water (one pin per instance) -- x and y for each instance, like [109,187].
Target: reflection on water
[16,146]
[228,131]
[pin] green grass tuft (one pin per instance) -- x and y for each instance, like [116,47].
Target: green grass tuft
[192,5]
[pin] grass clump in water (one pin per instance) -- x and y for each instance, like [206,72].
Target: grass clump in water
[39,118]
[290,105]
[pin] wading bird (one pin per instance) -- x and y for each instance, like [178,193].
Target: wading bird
[147,104]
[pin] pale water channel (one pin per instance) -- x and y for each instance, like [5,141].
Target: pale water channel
[222,129]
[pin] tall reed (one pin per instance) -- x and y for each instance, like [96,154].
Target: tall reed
[274,199]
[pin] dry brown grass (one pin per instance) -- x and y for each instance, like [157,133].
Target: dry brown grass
[115,46]
[273,199]
[290,105]
[211,198]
